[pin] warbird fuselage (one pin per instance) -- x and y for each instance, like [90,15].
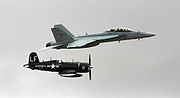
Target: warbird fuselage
[64,39]
[64,69]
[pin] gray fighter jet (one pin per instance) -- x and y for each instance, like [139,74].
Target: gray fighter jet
[65,40]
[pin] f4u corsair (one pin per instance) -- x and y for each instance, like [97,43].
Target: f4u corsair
[65,40]
[64,69]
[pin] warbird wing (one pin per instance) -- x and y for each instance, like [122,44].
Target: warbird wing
[88,40]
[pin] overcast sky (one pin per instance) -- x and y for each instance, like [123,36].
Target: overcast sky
[149,68]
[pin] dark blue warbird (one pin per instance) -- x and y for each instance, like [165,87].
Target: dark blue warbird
[64,69]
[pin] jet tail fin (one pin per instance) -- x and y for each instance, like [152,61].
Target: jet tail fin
[33,58]
[61,34]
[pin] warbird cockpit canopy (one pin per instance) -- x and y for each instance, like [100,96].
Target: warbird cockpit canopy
[120,29]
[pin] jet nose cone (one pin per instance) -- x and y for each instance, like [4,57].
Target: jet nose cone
[147,34]
[151,34]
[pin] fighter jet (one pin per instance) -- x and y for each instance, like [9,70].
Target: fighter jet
[64,69]
[64,39]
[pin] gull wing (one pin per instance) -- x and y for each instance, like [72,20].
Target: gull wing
[87,40]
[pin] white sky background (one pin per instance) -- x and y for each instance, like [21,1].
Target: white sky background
[149,68]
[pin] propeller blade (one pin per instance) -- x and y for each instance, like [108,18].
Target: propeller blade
[89,59]
[89,74]
[90,67]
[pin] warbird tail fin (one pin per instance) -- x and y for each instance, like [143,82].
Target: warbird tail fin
[61,34]
[33,58]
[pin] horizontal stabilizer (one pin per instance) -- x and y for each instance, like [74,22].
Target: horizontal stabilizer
[51,47]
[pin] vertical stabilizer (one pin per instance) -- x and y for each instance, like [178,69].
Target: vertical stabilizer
[33,58]
[61,34]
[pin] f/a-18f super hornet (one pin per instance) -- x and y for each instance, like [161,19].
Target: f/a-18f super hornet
[64,69]
[65,40]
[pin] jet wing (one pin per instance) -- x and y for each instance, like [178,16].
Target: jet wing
[87,40]
[104,37]
[80,43]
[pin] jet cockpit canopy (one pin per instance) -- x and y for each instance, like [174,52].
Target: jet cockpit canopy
[120,29]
